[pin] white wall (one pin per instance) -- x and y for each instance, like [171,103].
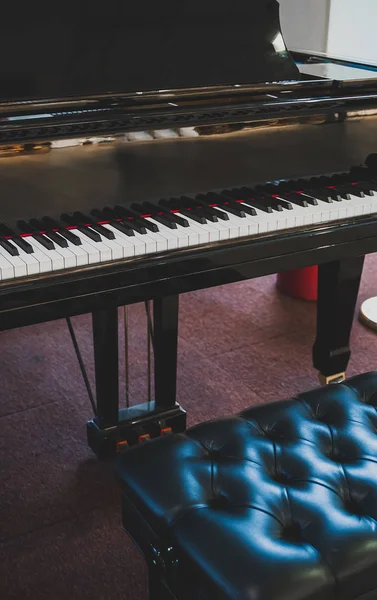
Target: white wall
[353,29]
[305,23]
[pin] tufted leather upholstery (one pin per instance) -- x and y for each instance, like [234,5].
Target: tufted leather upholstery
[277,503]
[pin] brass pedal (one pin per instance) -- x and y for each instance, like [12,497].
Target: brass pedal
[328,379]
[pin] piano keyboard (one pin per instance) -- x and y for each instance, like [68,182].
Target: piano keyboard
[45,245]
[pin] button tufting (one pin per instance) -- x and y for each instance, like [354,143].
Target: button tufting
[282,478]
[218,503]
[352,507]
[292,533]
[317,525]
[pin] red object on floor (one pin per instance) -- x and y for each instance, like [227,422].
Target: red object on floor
[300,284]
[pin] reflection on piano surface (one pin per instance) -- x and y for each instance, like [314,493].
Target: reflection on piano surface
[213,156]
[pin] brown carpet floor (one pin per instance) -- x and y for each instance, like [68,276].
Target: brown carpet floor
[60,528]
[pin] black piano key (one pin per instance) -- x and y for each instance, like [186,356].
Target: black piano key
[170,223]
[354,190]
[226,198]
[57,238]
[177,204]
[334,195]
[138,208]
[286,204]
[318,195]
[48,223]
[254,202]
[162,215]
[259,204]
[132,220]
[275,203]
[364,187]
[9,247]
[226,203]
[251,200]
[343,193]
[202,199]
[70,236]
[297,199]
[25,227]
[312,200]
[106,233]
[19,241]
[77,220]
[44,241]
[90,233]
[187,203]
[109,214]
[123,228]
[23,244]
[82,219]
[208,212]
[39,226]
[177,218]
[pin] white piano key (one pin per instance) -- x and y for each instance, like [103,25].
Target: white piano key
[150,245]
[139,136]
[57,260]
[18,265]
[92,252]
[69,258]
[45,262]
[82,256]
[169,234]
[123,240]
[31,263]
[104,250]
[258,219]
[223,229]
[203,234]
[193,235]
[6,269]
[213,234]
[232,227]
[187,132]
[161,241]
[115,249]
[164,134]
[244,225]
[274,221]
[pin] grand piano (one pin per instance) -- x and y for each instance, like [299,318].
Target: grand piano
[147,150]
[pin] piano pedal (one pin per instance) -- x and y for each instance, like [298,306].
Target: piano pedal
[136,425]
[329,379]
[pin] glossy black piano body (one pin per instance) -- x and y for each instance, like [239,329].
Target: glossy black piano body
[249,132]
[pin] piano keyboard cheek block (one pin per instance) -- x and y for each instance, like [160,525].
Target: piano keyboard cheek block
[212,156]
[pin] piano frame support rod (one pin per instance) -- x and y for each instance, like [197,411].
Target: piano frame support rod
[81,363]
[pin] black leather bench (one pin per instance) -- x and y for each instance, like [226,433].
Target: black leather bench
[276,503]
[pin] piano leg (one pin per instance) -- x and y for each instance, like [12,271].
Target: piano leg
[165,336]
[112,429]
[338,288]
[105,338]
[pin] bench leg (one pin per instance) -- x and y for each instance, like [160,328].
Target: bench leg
[338,288]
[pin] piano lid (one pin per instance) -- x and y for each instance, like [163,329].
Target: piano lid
[118,46]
